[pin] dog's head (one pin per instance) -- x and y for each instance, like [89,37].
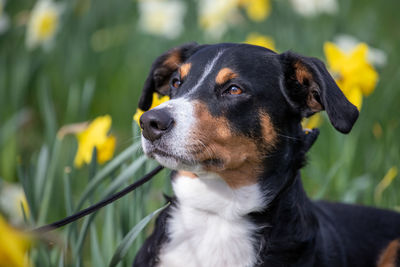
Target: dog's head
[232,106]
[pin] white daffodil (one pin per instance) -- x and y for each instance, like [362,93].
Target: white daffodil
[12,199]
[164,18]
[347,43]
[216,16]
[43,23]
[4,20]
[309,8]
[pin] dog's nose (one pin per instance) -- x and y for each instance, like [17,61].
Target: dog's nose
[155,123]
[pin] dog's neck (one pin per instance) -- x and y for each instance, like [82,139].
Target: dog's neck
[211,217]
[288,204]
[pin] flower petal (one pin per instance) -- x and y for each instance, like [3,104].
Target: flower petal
[95,135]
[105,151]
[260,40]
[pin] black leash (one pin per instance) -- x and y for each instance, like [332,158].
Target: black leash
[99,205]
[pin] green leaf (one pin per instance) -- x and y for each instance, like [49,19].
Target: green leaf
[67,193]
[108,238]
[61,259]
[48,112]
[81,238]
[48,186]
[124,176]
[87,96]
[97,257]
[40,175]
[126,243]
[27,185]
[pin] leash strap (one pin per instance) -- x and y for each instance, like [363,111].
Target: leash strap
[99,205]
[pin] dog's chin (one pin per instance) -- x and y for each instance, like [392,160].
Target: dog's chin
[172,162]
[169,159]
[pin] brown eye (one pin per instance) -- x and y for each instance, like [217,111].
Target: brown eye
[234,90]
[176,83]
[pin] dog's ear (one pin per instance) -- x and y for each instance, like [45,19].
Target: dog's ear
[309,88]
[161,70]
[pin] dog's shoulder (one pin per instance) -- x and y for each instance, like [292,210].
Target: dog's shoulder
[363,231]
[360,216]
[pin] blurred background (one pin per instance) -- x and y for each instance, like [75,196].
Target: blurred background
[71,73]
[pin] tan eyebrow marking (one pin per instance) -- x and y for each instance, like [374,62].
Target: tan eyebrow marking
[225,75]
[184,69]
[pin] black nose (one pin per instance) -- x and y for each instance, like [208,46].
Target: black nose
[155,123]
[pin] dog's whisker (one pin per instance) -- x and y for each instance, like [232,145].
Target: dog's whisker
[128,141]
[289,137]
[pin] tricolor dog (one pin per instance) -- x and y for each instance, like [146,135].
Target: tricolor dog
[232,133]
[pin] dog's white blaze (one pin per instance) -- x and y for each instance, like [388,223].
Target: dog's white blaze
[208,228]
[207,71]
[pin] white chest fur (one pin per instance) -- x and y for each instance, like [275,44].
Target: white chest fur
[208,228]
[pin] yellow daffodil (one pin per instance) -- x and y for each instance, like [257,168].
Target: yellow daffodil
[376,57]
[257,10]
[43,23]
[14,246]
[260,40]
[157,100]
[12,201]
[312,122]
[353,73]
[95,135]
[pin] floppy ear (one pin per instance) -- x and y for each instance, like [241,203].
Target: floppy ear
[309,88]
[161,70]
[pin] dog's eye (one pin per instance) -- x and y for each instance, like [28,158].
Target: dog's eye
[234,90]
[176,83]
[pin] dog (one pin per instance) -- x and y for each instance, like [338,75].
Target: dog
[232,133]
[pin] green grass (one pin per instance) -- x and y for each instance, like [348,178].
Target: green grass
[40,91]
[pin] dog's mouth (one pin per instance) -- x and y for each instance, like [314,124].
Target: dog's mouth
[169,158]
[187,161]
[165,154]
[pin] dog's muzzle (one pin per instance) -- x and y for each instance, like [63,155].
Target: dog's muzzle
[155,123]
